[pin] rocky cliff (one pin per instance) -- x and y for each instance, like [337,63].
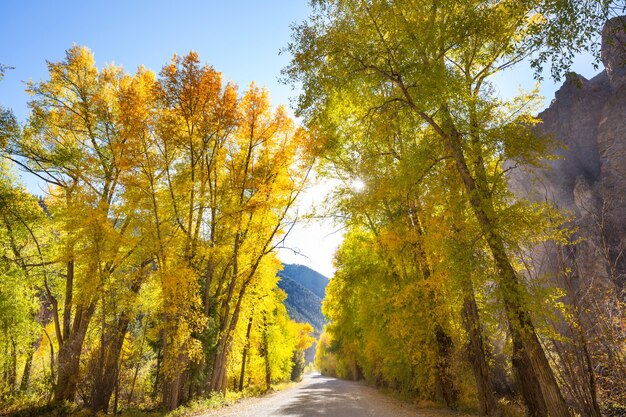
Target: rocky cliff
[587,118]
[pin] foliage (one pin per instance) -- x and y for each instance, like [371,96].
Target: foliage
[434,266]
[131,283]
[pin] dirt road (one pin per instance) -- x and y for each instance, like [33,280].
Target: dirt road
[320,396]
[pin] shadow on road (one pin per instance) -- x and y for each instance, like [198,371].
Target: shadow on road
[325,397]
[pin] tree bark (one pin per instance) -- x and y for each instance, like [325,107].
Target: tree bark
[27,367]
[69,291]
[445,348]
[478,357]
[245,354]
[69,355]
[266,355]
[107,376]
[173,387]
[527,382]
[218,376]
[540,389]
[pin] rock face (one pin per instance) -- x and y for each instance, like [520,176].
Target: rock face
[588,117]
[614,51]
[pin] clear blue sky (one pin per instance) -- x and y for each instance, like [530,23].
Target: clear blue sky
[240,38]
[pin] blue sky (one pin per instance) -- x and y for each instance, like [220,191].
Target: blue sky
[240,38]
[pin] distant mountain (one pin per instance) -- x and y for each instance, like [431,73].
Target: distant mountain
[308,278]
[303,306]
[305,290]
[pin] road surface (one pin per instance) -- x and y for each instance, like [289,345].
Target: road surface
[321,396]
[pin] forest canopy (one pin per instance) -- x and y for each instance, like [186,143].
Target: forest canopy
[439,292]
[145,276]
[147,272]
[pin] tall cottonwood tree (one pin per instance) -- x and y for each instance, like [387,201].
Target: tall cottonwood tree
[166,199]
[196,115]
[231,169]
[410,200]
[72,142]
[435,60]
[266,173]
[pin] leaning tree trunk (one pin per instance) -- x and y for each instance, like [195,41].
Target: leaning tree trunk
[445,348]
[478,357]
[531,362]
[537,381]
[525,377]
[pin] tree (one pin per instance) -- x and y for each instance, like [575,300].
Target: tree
[266,174]
[435,60]
[21,221]
[73,142]
[155,244]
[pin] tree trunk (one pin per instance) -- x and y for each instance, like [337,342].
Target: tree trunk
[266,355]
[593,409]
[107,376]
[478,357]
[175,374]
[27,368]
[218,376]
[526,379]
[116,397]
[174,393]
[69,356]
[536,372]
[137,366]
[69,291]
[445,349]
[171,391]
[67,371]
[537,382]
[10,374]
[445,346]
[157,376]
[245,353]
[218,373]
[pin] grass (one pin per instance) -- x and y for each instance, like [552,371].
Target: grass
[204,404]
[193,408]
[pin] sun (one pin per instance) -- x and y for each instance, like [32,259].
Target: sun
[358,185]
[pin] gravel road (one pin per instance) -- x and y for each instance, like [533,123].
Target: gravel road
[318,395]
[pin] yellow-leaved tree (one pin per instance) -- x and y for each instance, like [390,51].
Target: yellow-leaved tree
[166,199]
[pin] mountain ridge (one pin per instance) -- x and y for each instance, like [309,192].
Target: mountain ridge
[305,289]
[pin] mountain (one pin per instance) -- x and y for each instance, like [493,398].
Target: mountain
[303,306]
[308,278]
[305,290]
[587,120]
